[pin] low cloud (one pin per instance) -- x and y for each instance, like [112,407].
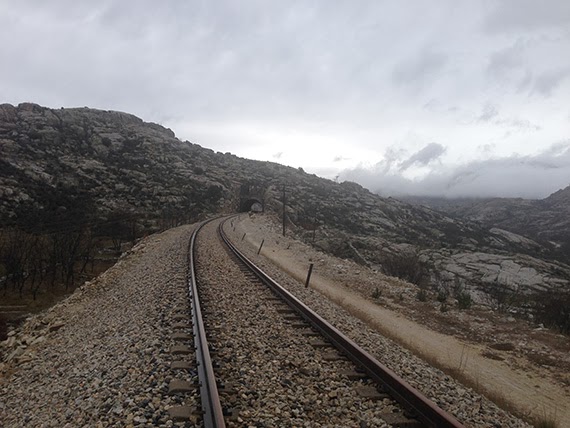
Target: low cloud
[532,177]
[489,112]
[340,159]
[547,82]
[422,67]
[426,155]
[527,15]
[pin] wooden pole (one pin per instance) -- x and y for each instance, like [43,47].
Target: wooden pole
[309,275]
[284,201]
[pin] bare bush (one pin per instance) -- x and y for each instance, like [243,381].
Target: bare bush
[504,296]
[405,265]
[552,308]
[3,329]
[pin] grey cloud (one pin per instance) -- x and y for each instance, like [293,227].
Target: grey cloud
[340,158]
[518,125]
[489,112]
[503,61]
[277,155]
[423,157]
[420,68]
[547,82]
[515,176]
[529,15]
[265,68]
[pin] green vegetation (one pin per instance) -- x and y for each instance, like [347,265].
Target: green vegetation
[422,295]
[464,300]
[377,293]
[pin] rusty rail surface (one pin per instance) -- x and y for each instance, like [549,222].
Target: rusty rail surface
[213,416]
[419,406]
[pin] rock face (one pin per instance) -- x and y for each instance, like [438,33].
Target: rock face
[53,160]
[114,160]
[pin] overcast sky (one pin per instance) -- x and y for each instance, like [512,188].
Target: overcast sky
[439,97]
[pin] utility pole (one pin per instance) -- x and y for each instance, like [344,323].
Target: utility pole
[284,201]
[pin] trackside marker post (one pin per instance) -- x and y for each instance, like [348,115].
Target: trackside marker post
[309,275]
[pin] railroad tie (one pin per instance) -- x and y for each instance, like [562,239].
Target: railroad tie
[286,310]
[317,343]
[292,317]
[301,325]
[399,420]
[181,365]
[178,386]
[180,350]
[333,356]
[180,326]
[353,375]
[309,333]
[180,337]
[184,413]
[371,393]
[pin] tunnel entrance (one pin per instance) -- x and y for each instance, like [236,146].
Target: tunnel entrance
[252,204]
[251,197]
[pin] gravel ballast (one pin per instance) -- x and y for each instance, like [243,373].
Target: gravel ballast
[469,407]
[275,376]
[101,357]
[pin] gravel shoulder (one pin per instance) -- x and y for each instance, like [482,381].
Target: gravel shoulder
[101,357]
[528,388]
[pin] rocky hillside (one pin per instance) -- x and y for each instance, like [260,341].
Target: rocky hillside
[54,161]
[109,160]
[545,220]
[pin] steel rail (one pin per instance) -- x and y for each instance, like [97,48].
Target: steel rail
[407,396]
[213,416]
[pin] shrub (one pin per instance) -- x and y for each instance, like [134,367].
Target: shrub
[503,296]
[3,329]
[376,293]
[552,308]
[546,422]
[464,300]
[406,266]
[442,295]
[422,295]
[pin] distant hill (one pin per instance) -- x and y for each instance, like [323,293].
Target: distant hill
[545,220]
[66,160]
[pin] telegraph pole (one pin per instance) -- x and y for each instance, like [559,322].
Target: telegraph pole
[284,201]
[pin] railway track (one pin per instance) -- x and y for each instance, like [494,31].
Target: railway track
[278,363]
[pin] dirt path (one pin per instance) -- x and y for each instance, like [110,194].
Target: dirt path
[527,391]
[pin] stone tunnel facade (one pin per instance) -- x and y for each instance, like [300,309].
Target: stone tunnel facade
[251,197]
